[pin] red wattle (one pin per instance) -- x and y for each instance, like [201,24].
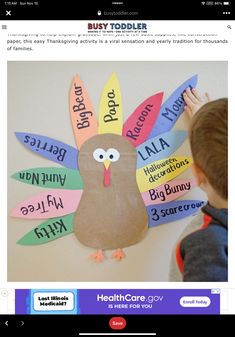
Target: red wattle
[106,177]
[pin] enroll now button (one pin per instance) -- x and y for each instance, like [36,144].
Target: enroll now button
[195,301]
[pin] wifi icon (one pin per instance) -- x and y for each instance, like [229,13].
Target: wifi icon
[203,3]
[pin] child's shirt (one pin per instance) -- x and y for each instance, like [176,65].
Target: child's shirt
[202,255]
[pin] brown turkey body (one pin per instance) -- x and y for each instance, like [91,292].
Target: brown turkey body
[115,216]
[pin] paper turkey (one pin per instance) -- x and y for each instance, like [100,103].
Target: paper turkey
[119,181]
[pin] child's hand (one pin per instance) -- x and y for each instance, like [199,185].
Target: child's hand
[194,101]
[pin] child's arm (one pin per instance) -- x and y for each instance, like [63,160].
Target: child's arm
[194,101]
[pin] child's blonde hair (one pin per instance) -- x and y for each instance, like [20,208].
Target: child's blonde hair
[209,143]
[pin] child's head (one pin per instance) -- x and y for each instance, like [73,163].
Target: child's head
[209,144]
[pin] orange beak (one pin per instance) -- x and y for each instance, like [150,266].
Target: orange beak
[106,173]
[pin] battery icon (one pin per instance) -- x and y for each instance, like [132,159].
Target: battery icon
[226,3]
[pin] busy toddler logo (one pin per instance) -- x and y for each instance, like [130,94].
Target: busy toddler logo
[117,26]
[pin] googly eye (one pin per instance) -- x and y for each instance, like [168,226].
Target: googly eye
[112,155]
[99,155]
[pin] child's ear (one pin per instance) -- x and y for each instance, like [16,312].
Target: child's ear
[199,175]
